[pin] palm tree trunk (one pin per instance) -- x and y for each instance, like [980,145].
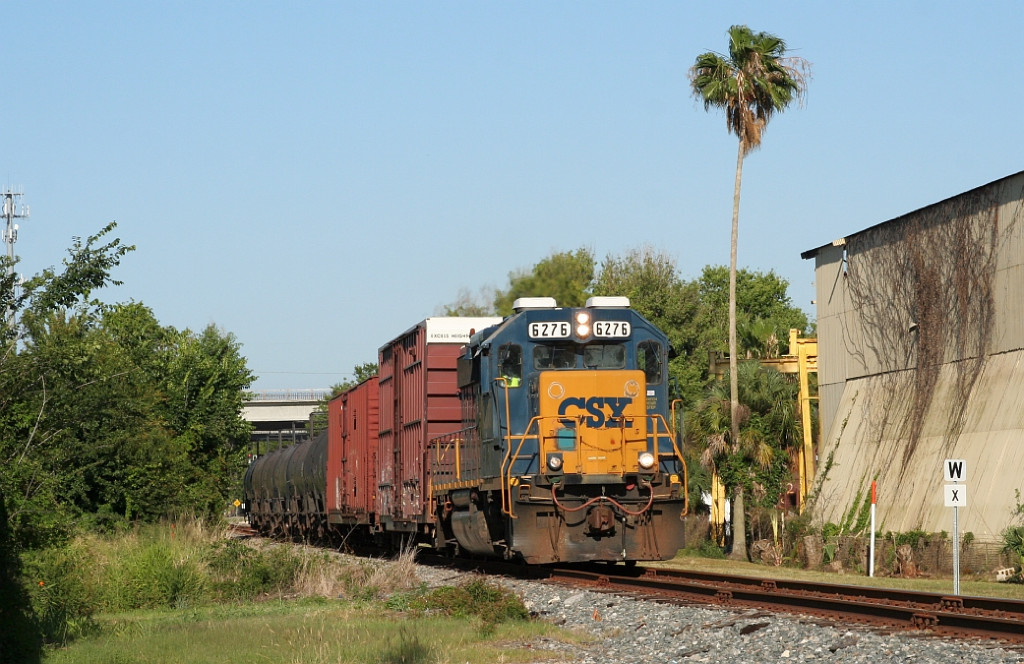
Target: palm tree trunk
[739,547]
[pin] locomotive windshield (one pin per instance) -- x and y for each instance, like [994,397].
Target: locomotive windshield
[554,357]
[595,356]
[604,356]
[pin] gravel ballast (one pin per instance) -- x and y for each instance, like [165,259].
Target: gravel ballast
[624,630]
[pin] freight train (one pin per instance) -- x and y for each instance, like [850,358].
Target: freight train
[544,437]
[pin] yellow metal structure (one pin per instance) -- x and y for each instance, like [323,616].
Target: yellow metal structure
[802,360]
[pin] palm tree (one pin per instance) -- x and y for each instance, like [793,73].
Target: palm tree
[756,80]
[768,430]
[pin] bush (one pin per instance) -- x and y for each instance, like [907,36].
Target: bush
[64,591]
[1013,543]
[150,577]
[491,603]
[709,549]
[239,571]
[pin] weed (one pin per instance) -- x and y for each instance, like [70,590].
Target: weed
[709,549]
[240,571]
[491,603]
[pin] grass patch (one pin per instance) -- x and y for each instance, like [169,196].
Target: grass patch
[188,565]
[290,631]
[691,561]
[185,593]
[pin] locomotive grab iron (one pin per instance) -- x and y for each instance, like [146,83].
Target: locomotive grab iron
[542,437]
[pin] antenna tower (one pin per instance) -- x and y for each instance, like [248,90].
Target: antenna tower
[10,213]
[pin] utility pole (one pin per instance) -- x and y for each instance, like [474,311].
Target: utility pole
[11,212]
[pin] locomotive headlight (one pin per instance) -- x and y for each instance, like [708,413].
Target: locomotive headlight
[646,460]
[583,324]
[555,462]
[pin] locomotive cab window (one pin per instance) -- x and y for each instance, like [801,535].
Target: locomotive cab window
[648,358]
[554,357]
[510,364]
[604,356]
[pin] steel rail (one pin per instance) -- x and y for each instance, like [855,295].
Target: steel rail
[943,615]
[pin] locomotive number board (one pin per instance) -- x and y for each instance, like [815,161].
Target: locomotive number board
[553,330]
[611,329]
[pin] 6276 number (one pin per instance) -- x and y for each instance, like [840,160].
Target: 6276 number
[611,329]
[555,330]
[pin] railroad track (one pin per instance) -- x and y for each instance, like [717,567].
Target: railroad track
[894,609]
[934,613]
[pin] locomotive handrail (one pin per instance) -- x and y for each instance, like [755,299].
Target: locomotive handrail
[670,432]
[452,443]
[506,496]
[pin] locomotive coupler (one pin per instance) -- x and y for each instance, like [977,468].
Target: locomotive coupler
[601,519]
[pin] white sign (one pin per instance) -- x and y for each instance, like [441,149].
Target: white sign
[954,470]
[955,495]
[456,330]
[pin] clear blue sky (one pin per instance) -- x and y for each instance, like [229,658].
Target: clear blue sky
[316,177]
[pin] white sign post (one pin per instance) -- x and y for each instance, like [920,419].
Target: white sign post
[955,496]
[871,549]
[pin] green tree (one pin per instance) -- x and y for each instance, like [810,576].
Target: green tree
[104,411]
[651,281]
[50,353]
[205,386]
[756,80]
[756,462]
[566,276]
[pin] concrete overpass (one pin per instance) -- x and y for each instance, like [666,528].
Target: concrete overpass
[281,417]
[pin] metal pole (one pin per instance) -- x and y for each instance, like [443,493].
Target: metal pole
[956,552]
[871,549]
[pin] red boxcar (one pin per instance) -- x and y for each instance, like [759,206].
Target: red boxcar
[419,400]
[352,424]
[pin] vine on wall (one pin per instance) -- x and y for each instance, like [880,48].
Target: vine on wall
[922,291]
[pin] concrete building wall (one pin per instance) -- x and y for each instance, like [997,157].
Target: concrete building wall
[921,359]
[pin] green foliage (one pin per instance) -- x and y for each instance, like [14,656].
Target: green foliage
[857,517]
[759,461]
[566,276]
[491,603]
[155,567]
[360,372]
[467,303]
[105,415]
[150,577]
[914,538]
[65,596]
[752,83]
[241,572]
[20,638]
[709,549]
[1013,541]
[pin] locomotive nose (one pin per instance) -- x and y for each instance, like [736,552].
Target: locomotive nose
[601,520]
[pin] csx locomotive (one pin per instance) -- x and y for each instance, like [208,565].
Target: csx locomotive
[543,437]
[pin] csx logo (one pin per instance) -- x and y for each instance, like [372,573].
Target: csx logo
[595,407]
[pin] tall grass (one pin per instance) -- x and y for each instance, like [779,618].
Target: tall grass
[188,564]
[173,565]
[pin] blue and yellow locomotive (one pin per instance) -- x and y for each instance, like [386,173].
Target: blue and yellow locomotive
[566,452]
